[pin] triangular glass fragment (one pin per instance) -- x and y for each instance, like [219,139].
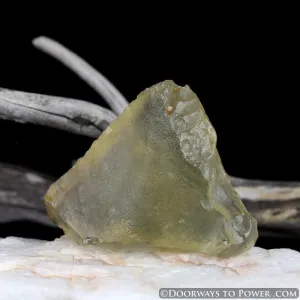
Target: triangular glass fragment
[155,177]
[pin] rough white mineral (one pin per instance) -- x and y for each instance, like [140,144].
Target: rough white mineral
[64,270]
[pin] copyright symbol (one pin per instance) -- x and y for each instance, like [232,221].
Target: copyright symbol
[163,293]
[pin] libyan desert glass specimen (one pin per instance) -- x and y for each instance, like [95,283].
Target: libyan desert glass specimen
[155,177]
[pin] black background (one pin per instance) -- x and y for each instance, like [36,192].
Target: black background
[253,101]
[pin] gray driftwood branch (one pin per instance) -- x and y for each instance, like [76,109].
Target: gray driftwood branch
[274,204]
[21,195]
[71,115]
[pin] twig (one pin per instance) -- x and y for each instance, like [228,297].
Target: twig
[86,72]
[71,115]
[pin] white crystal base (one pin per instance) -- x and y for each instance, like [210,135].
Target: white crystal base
[33,269]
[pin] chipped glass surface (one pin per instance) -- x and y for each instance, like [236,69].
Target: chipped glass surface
[155,177]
